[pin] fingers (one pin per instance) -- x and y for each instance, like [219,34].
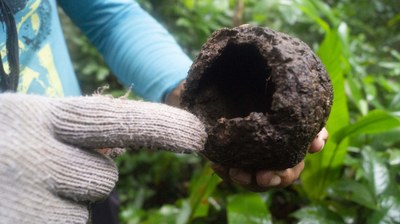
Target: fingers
[261,180]
[24,202]
[111,152]
[66,211]
[237,176]
[101,122]
[283,178]
[80,175]
[265,179]
[319,142]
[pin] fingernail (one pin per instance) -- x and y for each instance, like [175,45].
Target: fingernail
[275,181]
[322,142]
[322,146]
[316,146]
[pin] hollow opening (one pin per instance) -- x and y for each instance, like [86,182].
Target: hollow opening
[238,83]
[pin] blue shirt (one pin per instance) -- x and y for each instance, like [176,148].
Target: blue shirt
[138,50]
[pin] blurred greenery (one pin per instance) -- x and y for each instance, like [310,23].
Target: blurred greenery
[355,179]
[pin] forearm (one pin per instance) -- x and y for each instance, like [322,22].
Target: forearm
[141,53]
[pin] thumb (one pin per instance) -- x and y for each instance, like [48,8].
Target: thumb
[100,122]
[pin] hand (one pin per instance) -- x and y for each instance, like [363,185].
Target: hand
[174,97]
[48,174]
[264,179]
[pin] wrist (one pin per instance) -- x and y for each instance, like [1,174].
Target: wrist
[173,98]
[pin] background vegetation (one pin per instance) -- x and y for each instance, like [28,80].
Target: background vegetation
[356,177]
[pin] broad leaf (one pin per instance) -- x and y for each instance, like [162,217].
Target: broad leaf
[166,214]
[317,215]
[375,171]
[394,157]
[389,212]
[355,93]
[374,122]
[323,168]
[247,208]
[356,192]
[202,186]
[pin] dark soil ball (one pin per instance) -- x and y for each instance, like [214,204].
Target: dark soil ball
[263,96]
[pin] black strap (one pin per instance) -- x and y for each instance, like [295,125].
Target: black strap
[9,82]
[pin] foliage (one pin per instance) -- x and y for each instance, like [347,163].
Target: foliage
[355,179]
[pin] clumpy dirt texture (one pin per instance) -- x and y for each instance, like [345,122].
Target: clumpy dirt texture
[263,96]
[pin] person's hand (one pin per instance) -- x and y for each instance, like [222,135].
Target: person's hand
[174,97]
[265,179]
[48,170]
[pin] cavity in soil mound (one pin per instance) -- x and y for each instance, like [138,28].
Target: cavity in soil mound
[262,94]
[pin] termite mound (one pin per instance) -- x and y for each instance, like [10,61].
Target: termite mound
[262,94]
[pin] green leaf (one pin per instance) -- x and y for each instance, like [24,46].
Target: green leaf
[375,171]
[356,192]
[165,215]
[356,95]
[323,168]
[89,69]
[311,10]
[183,22]
[102,73]
[347,212]
[201,187]
[184,213]
[131,215]
[317,215]
[189,4]
[247,208]
[376,121]
[389,212]
[394,157]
